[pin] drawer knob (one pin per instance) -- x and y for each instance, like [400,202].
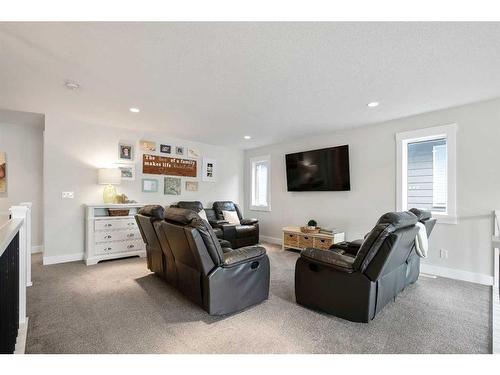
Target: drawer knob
[130,246]
[108,225]
[130,235]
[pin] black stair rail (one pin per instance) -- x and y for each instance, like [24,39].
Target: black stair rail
[9,296]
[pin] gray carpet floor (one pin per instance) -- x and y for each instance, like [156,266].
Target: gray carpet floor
[120,307]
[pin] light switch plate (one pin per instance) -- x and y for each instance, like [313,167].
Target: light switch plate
[68,195]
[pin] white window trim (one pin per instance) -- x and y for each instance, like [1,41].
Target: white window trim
[402,140]
[252,182]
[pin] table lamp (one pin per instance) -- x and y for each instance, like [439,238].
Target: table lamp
[109,177]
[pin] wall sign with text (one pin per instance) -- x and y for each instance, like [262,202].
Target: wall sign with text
[152,164]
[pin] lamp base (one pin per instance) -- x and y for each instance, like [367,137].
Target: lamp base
[109,194]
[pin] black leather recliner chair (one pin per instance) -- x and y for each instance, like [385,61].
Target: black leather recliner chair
[245,234]
[357,288]
[425,217]
[147,219]
[160,258]
[222,281]
[197,206]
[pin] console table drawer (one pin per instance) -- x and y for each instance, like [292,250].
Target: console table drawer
[119,247]
[291,239]
[322,243]
[105,224]
[305,241]
[117,235]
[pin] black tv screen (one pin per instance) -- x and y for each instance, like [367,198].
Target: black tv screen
[319,170]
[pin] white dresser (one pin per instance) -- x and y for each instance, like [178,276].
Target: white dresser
[110,237]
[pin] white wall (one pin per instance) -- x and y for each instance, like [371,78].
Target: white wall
[74,150]
[373,184]
[23,144]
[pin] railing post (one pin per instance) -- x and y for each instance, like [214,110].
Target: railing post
[21,212]
[29,243]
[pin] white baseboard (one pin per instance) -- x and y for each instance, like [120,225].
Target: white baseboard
[36,249]
[451,273]
[62,258]
[273,240]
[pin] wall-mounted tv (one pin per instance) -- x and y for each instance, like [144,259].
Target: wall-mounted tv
[319,170]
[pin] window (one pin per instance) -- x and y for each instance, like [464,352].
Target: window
[261,183]
[426,171]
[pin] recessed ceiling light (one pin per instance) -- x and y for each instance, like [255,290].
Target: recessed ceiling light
[247,137]
[71,85]
[373,104]
[134,110]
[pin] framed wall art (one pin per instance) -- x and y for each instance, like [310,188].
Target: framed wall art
[127,170]
[148,146]
[179,150]
[3,172]
[149,185]
[166,149]
[126,151]
[191,185]
[172,186]
[193,153]
[209,170]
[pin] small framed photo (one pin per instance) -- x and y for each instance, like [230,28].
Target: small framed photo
[191,185]
[166,149]
[149,185]
[209,170]
[172,186]
[179,150]
[193,153]
[148,146]
[128,171]
[125,151]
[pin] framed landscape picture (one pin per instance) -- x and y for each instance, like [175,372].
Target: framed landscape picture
[127,170]
[149,185]
[191,185]
[126,151]
[3,172]
[172,186]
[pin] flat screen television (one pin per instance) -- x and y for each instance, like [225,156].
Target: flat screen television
[319,170]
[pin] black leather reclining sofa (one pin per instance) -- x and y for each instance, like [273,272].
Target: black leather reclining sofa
[184,250]
[245,234]
[358,285]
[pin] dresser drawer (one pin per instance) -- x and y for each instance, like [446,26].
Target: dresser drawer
[117,235]
[322,243]
[290,239]
[105,224]
[119,247]
[305,241]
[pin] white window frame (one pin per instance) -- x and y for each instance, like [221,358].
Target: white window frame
[253,161]
[402,139]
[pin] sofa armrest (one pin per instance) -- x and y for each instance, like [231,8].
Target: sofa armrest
[351,248]
[217,223]
[248,221]
[243,255]
[328,258]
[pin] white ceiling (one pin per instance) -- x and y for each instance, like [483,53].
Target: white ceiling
[216,82]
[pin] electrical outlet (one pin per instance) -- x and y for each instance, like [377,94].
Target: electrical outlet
[68,195]
[444,254]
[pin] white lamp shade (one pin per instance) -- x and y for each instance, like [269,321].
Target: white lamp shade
[109,176]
